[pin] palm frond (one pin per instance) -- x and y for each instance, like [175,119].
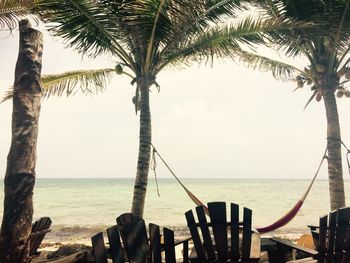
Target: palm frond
[11,11]
[72,82]
[280,70]
[151,44]
[69,83]
[7,95]
[311,98]
[87,25]
[224,41]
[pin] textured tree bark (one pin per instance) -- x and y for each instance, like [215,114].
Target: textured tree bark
[21,160]
[144,156]
[335,170]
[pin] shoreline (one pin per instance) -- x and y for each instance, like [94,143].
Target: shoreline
[74,234]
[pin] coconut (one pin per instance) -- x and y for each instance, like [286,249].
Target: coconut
[309,81]
[340,94]
[118,69]
[298,78]
[347,93]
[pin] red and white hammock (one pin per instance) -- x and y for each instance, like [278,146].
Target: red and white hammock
[279,223]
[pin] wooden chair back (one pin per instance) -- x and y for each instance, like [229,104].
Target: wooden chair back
[135,239]
[39,229]
[98,248]
[221,249]
[333,237]
[132,240]
[116,250]
[127,218]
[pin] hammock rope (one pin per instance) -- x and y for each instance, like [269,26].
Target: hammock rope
[279,223]
[347,155]
[294,211]
[154,167]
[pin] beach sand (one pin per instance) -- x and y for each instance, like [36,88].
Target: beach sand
[82,242]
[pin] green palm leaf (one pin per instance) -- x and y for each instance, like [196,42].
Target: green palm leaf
[72,82]
[11,11]
[90,28]
[69,83]
[280,70]
[224,41]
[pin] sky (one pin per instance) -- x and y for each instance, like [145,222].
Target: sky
[225,121]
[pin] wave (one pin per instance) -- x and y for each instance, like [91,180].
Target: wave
[83,233]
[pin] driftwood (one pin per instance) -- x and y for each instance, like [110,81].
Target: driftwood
[20,173]
[64,259]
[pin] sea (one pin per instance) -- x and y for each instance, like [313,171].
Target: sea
[79,208]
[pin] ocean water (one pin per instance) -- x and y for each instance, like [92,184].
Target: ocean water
[81,207]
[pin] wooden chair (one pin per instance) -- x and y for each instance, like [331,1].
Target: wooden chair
[39,229]
[332,240]
[222,249]
[143,248]
[136,246]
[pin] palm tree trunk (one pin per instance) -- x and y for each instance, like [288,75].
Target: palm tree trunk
[335,170]
[20,173]
[144,156]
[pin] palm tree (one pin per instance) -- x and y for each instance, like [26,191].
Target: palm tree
[145,37]
[326,47]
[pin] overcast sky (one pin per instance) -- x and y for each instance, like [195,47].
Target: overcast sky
[226,121]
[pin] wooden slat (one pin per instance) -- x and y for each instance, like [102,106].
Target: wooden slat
[287,243]
[98,248]
[169,246]
[343,217]
[235,255]
[115,244]
[321,244]
[155,246]
[197,243]
[331,236]
[247,233]
[346,254]
[217,214]
[39,230]
[208,244]
[135,236]
[305,260]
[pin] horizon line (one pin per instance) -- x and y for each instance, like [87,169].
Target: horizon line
[214,178]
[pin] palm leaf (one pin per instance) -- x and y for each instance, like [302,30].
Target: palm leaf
[224,41]
[87,25]
[70,83]
[311,98]
[280,70]
[11,11]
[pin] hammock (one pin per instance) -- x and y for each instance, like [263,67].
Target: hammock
[279,223]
